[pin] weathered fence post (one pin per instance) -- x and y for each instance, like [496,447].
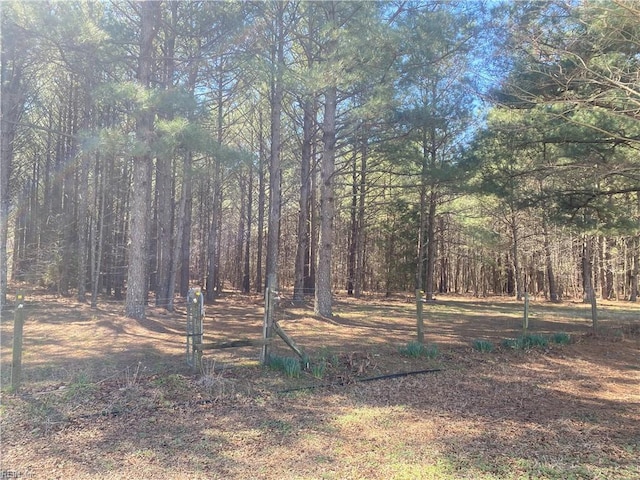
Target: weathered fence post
[18,323]
[195,314]
[525,318]
[420,318]
[267,326]
[594,310]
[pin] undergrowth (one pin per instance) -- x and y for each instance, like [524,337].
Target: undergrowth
[418,349]
[529,341]
[484,346]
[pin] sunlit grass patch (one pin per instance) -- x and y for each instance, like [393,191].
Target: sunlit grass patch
[526,342]
[289,365]
[417,350]
[484,346]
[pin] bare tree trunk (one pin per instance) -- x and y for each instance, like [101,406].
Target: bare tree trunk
[179,234]
[313,233]
[517,270]
[360,234]
[137,274]
[430,259]
[12,100]
[246,277]
[551,278]
[163,229]
[587,270]
[261,202]
[275,171]
[635,269]
[213,246]
[353,231]
[67,225]
[184,223]
[165,183]
[238,263]
[97,231]
[83,241]
[304,202]
[422,225]
[185,219]
[323,300]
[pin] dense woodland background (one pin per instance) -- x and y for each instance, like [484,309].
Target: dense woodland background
[454,147]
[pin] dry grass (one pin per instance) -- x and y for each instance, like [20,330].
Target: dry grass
[109,397]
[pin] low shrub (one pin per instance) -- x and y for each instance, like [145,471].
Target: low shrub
[484,346]
[417,349]
[534,340]
[526,342]
[561,338]
[289,365]
[318,369]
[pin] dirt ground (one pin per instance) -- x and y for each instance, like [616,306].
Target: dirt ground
[104,396]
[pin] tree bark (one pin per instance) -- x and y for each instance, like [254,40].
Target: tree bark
[179,234]
[12,102]
[246,277]
[137,272]
[360,233]
[551,278]
[323,300]
[304,201]
[185,228]
[165,183]
[515,247]
[275,171]
[353,231]
[422,222]
[587,270]
[261,202]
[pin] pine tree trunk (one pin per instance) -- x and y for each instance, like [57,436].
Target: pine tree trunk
[83,241]
[551,279]
[587,270]
[246,277]
[323,300]
[422,225]
[97,232]
[430,259]
[275,171]
[239,247]
[261,203]
[213,247]
[179,234]
[137,272]
[635,268]
[360,233]
[353,231]
[11,101]
[184,223]
[517,270]
[304,202]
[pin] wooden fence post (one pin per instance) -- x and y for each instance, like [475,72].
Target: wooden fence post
[267,326]
[525,318]
[195,314]
[420,318]
[594,310]
[18,323]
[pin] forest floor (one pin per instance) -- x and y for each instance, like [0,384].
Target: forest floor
[105,397]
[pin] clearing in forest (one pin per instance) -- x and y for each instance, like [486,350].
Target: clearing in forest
[104,396]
